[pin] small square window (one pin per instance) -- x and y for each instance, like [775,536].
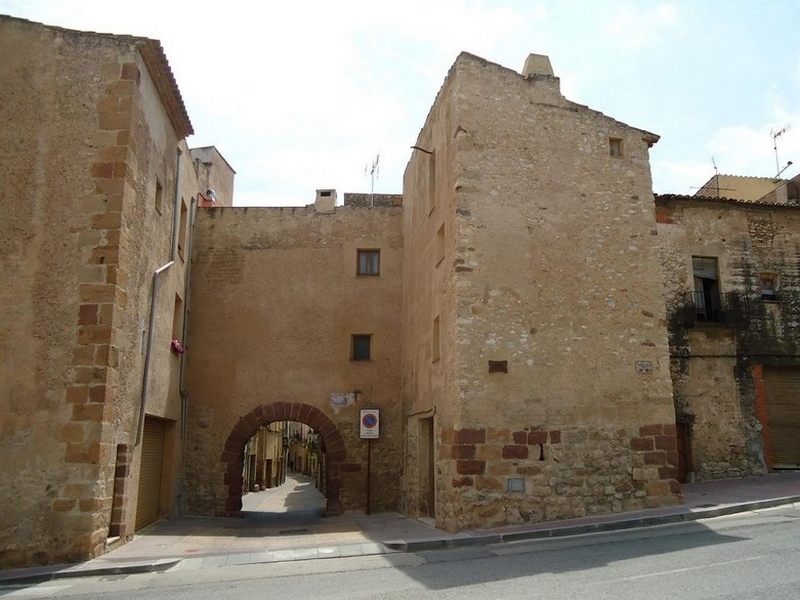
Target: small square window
[369,262]
[436,352]
[615,146]
[769,287]
[159,196]
[360,346]
[440,244]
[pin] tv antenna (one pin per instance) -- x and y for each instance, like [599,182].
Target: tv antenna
[373,173]
[775,135]
[716,181]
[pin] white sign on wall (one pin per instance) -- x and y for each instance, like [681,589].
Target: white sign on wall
[370,423]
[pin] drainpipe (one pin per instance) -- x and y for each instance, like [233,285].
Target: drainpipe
[151,327]
[187,280]
[176,217]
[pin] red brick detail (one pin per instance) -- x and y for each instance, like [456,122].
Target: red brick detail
[670,429]
[470,436]
[668,472]
[760,389]
[470,467]
[520,437]
[130,72]
[537,437]
[87,314]
[515,452]
[642,444]
[648,430]
[463,451]
[664,215]
[666,442]
[673,458]
[555,436]
[657,457]
[463,482]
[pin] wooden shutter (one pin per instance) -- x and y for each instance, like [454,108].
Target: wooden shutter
[783,411]
[150,472]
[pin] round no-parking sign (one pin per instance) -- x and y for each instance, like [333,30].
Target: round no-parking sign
[370,423]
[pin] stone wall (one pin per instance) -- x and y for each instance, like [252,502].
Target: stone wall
[549,295]
[275,300]
[80,241]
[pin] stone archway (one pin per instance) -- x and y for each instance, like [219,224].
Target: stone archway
[248,425]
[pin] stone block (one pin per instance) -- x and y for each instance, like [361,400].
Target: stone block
[463,451]
[641,444]
[470,436]
[537,437]
[555,436]
[462,482]
[517,452]
[650,430]
[520,437]
[666,442]
[470,467]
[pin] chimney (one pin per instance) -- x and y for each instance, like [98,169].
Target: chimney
[537,64]
[325,201]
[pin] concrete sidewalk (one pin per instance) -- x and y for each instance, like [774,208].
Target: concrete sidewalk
[286,523]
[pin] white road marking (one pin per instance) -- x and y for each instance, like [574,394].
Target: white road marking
[684,570]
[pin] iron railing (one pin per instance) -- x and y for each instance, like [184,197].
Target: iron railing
[703,308]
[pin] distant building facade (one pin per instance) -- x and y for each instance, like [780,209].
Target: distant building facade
[524,334]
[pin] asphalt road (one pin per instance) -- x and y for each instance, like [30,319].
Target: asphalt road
[752,556]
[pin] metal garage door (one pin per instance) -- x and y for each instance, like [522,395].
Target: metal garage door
[783,411]
[150,472]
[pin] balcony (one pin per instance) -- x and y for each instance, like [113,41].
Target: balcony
[715,309]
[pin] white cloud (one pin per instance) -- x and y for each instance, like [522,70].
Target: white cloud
[634,29]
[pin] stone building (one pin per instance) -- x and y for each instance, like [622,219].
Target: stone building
[525,320]
[536,378]
[98,190]
[730,267]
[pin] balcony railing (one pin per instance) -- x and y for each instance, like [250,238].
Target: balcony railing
[703,308]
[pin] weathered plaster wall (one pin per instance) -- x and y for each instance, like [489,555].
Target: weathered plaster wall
[275,299]
[712,365]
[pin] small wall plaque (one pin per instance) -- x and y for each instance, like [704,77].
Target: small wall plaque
[644,367]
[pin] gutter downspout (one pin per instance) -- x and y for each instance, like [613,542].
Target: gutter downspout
[151,327]
[187,280]
[184,336]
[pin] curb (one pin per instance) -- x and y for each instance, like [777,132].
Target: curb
[43,574]
[570,530]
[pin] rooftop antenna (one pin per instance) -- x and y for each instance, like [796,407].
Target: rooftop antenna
[716,181]
[373,172]
[775,135]
[716,175]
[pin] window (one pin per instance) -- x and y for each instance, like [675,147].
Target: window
[182,230]
[431,183]
[369,262]
[436,352]
[706,288]
[615,146]
[769,287]
[440,244]
[360,346]
[159,196]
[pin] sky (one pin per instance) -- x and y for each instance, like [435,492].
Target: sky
[299,95]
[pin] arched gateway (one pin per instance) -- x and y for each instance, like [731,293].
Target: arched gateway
[233,457]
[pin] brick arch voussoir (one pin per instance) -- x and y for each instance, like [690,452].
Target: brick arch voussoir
[233,460]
